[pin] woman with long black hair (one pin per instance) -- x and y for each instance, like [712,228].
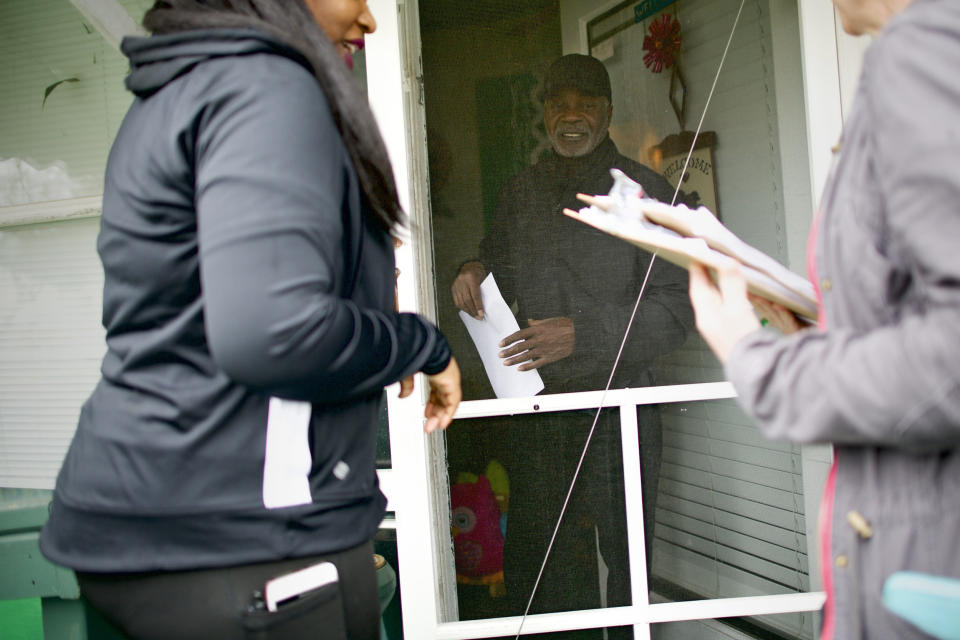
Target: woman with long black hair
[246,239]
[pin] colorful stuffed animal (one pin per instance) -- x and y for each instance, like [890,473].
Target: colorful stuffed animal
[478,519]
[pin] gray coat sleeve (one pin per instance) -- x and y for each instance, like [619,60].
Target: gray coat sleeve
[898,382]
[271,183]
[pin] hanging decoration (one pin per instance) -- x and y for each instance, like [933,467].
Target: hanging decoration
[662,43]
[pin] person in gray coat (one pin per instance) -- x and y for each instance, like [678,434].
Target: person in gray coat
[880,376]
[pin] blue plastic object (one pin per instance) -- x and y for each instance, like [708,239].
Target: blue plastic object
[929,602]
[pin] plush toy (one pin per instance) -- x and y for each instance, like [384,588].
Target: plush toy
[479,520]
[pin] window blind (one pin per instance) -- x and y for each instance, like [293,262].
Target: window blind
[51,344]
[730,518]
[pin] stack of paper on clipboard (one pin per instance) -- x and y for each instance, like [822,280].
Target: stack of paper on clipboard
[682,235]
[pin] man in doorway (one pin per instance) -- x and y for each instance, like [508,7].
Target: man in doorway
[575,289]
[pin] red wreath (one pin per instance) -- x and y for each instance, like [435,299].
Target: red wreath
[662,44]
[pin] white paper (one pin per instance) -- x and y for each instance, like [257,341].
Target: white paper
[498,322]
[681,235]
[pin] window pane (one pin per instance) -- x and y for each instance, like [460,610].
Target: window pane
[728,505]
[51,344]
[723,506]
[509,480]
[798,626]
[64,102]
[730,515]
[501,171]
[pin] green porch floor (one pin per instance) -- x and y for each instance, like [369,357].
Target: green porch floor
[21,619]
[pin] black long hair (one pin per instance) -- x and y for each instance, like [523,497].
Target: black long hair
[292,23]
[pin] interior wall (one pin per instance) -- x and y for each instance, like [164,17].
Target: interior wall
[451,95]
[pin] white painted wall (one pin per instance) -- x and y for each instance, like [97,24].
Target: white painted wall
[791,123]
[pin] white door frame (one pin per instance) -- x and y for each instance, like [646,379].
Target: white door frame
[417,483]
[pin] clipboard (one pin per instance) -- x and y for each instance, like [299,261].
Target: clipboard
[682,235]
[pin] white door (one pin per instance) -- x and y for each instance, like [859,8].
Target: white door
[455,88]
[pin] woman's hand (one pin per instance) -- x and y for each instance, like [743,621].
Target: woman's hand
[406,386]
[444,398]
[723,312]
[776,315]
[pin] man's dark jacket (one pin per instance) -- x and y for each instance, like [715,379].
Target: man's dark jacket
[555,266]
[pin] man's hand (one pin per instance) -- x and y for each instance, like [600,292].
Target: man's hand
[466,289]
[543,342]
[444,398]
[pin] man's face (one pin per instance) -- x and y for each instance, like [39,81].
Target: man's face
[576,123]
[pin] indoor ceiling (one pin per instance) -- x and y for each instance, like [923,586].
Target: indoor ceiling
[442,14]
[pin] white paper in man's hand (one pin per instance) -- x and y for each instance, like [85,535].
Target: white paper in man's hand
[498,322]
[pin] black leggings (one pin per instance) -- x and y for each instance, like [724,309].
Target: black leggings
[215,603]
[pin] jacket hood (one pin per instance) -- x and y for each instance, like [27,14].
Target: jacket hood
[156,60]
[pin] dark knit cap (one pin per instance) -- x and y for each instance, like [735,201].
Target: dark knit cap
[577,71]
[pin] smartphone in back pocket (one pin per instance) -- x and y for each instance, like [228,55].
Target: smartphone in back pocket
[289,587]
[302,605]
